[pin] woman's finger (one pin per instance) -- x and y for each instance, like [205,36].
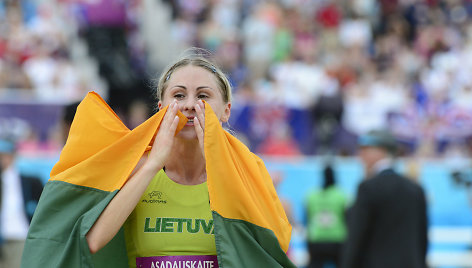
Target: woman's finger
[200,109]
[200,134]
[173,126]
[169,116]
[198,128]
[165,136]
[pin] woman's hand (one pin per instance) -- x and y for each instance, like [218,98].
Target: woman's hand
[121,206]
[199,123]
[164,139]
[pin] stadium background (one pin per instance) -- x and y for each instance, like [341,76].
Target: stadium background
[308,77]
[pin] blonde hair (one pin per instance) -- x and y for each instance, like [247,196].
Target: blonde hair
[195,57]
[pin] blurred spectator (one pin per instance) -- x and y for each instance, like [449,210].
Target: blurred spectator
[280,142]
[12,75]
[284,37]
[139,112]
[229,55]
[355,32]
[277,179]
[327,114]
[258,33]
[52,77]
[19,196]
[326,226]
[361,114]
[387,225]
[67,119]
[300,82]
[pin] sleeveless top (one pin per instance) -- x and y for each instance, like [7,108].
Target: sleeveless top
[170,219]
[325,213]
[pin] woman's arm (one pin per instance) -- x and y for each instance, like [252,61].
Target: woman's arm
[120,207]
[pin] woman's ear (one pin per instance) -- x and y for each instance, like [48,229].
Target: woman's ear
[159,105]
[226,113]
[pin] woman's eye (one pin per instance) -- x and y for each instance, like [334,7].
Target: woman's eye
[179,96]
[202,96]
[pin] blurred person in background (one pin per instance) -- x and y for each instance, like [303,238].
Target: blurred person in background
[326,225]
[280,142]
[67,117]
[278,176]
[138,112]
[12,76]
[387,225]
[327,114]
[19,196]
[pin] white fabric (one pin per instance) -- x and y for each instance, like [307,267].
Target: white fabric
[14,225]
[355,33]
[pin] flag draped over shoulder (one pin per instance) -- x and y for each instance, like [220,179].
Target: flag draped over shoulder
[251,228]
[250,225]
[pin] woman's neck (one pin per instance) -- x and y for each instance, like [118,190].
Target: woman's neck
[186,164]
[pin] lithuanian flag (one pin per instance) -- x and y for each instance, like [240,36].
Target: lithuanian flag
[251,228]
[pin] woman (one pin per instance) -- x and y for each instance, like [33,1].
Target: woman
[183,87]
[325,220]
[198,198]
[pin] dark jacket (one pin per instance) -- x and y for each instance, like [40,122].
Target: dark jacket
[32,188]
[387,225]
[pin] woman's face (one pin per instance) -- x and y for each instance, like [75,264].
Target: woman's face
[189,84]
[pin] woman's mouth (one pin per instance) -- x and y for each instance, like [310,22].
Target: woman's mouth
[190,121]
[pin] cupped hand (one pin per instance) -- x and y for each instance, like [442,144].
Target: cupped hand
[199,123]
[164,139]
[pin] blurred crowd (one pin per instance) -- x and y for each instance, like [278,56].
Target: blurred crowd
[352,65]
[36,43]
[309,77]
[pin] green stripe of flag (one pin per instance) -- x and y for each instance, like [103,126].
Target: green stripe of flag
[65,214]
[243,244]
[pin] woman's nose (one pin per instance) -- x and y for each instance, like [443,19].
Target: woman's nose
[189,104]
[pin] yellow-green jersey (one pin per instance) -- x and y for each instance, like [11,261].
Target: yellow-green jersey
[170,219]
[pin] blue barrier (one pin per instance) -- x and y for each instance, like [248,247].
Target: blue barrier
[448,204]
